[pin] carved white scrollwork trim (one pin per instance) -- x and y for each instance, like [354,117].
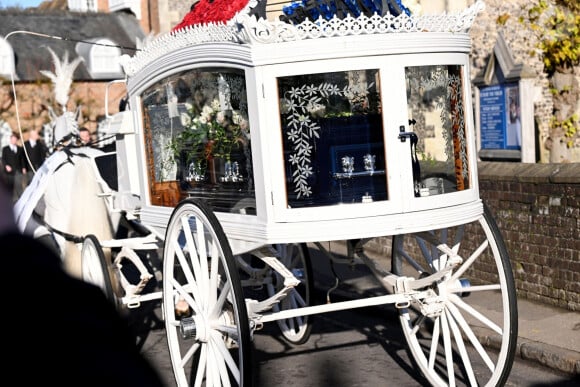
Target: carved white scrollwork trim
[247,29]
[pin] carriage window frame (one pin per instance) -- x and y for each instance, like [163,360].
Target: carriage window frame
[333,137]
[197,139]
[436,114]
[401,198]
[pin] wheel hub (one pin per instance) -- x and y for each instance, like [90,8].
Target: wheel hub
[198,328]
[188,328]
[194,328]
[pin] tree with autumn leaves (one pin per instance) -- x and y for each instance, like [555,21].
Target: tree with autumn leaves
[557,28]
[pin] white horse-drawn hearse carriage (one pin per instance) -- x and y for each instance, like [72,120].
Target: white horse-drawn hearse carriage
[247,140]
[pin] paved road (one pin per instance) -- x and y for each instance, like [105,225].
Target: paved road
[350,348]
[359,347]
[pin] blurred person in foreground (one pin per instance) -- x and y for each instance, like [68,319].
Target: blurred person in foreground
[63,330]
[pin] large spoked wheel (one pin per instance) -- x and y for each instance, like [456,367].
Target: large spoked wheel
[473,303]
[203,304]
[296,259]
[94,267]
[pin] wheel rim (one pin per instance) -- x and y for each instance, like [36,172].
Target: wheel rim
[295,258]
[94,267]
[445,335]
[207,328]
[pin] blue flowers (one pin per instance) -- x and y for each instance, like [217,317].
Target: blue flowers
[299,11]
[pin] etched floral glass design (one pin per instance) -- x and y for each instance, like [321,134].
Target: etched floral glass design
[197,135]
[332,132]
[435,101]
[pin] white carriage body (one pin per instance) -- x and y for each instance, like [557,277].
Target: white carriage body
[246,140]
[413,76]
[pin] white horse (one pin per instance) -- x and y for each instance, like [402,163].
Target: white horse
[66,201]
[61,128]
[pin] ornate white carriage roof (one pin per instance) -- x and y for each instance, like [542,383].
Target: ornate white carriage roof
[247,29]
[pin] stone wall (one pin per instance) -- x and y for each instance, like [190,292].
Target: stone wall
[521,41]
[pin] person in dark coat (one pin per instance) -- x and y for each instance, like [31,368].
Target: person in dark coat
[14,165]
[61,330]
[35,152]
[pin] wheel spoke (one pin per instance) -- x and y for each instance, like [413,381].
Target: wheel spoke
[186,296]
[214,275]
[296,300]
[434,343]
[189,276]
[218,307]
[210,344]
[294,257]
[220,346]
[195,260]
[474,289]
[459,272]
[461,347]
[201,366]
[228,330]
[193,349]
[205,280]
[446,348]
[473,312]
[472,338]
[215,365]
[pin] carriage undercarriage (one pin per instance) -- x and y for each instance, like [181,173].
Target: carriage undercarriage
[214,310]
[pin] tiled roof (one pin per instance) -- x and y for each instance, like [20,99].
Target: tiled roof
[30,51]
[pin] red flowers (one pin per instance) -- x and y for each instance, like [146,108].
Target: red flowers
[206,11]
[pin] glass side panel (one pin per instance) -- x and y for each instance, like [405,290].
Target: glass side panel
[197,139]
[435,100]
[332,132]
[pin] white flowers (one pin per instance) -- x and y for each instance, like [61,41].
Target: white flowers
[212,114]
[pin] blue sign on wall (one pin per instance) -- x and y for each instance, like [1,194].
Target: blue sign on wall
[500,117]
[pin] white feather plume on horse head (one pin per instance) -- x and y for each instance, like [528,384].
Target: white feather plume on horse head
[62,77]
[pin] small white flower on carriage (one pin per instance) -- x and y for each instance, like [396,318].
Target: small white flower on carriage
[220,117]
[185,119]
[206,115]
[244,126]
[215,105]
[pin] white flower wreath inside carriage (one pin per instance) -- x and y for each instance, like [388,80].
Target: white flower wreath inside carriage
[212,129]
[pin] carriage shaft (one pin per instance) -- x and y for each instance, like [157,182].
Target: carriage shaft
[338,306]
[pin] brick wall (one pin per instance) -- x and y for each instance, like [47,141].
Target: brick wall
[537,208]
[33,99]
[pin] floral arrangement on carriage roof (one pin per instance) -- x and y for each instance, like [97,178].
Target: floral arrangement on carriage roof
[297,11]
[219,11]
